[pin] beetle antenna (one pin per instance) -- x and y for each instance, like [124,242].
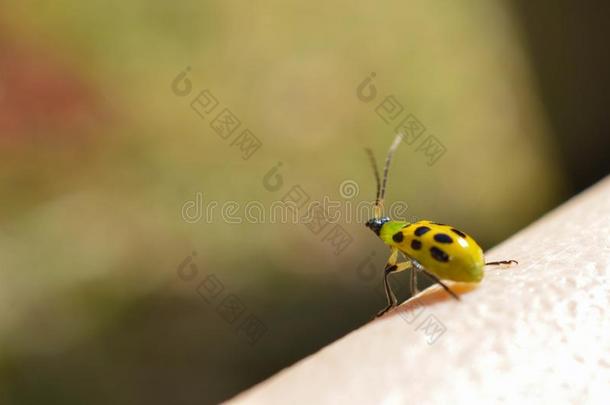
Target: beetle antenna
[386,168]
[369,152]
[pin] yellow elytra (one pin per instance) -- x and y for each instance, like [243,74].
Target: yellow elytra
[438,250]
[441,249]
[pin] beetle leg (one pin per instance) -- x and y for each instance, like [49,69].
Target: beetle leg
[391,267]
[502,263]
[454,295]
[413,285]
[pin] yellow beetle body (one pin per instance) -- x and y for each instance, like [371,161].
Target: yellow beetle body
[442,250]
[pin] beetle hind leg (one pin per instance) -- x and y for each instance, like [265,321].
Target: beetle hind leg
[445,287]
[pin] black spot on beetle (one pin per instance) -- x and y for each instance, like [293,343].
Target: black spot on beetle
[421,230]
[443,238]
[415,244]
[460,233]
[439,254]
[438,223]
[398,237]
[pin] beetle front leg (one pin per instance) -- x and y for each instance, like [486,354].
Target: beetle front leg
[391,267]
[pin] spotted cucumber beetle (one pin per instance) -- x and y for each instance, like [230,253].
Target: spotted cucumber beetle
[438,250]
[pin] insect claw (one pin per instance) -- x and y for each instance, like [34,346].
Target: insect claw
[383,311]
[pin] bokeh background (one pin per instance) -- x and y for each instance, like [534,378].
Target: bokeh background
[108,289]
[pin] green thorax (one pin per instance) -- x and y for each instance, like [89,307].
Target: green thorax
[389,229]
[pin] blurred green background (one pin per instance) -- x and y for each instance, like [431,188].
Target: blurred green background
[99,158]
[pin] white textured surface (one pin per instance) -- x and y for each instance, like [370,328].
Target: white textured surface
[536,333]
